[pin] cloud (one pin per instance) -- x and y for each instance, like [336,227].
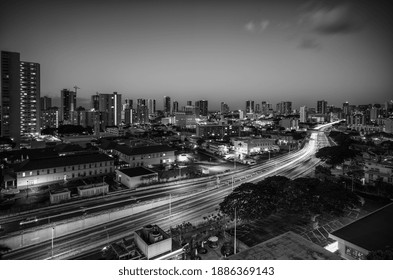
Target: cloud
[309,43]
[264,25]
[250,27]
[333,20]
[253,27]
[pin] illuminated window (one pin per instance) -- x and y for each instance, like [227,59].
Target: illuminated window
[23,174]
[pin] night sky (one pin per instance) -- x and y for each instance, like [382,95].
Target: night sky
[231,51]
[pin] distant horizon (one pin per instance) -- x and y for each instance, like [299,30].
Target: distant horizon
[285,50]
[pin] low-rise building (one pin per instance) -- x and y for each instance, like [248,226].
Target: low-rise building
[153,241]
[145,156]
[378,171]
[371,233]
[290,123]
[217,130]
[57,196]
[134,177]
[93,190]
[45,171]
[245,146]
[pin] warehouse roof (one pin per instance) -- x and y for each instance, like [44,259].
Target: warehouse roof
[372,232]
[287,246]
[143,150]
[137,171]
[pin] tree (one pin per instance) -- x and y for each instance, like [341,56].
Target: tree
[336,155]
[4,249]
[380,255]
[305,196]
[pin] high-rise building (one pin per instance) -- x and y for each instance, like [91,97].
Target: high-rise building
[110,104]
[374,113]
[67,105]
[346,108]
[201,107]
[95,102]
[303,114]
[189,103]
[250,106]
[142,111]
[45,103]
[175,107]
[167,105]
[151,104]
[321,107]
[50,118]
[224,108]
[130,103]
[20,96]
[284,108]
[258,108]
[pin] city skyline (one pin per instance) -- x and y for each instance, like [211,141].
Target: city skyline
[271,51]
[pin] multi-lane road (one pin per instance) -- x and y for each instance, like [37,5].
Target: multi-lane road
[205,201]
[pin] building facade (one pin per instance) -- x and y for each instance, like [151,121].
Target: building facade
[44,171]
[20,96]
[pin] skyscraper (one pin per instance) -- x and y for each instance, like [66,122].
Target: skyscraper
[142,111]
[250,106]
[322,107]
[201,107]
[67,105]
[224,108]
[151,104]
[110,104]
[167,105]
[175,107]
[303,114]
[20,96]
[284,108]
[346,108]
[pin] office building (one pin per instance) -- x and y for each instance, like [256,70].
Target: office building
[20,96]
[201,108]
[224,108]
[151,105]
[303,114]
[142,111]
[167,105]
[249,106]
[284,108]
[175,107]
[322,107]
[111,105]
[67,105]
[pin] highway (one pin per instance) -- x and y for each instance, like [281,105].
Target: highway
[298,163]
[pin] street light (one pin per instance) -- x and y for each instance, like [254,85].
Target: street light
[52,240]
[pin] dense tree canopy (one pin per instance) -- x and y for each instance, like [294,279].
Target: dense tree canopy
[335,155]
[305,196]
[380,255]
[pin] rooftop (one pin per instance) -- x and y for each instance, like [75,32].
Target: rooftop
[137,171]
[372,232]
[287,246]
[143,150]
[44,163]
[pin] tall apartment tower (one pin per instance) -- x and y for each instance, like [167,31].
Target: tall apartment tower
[151,104]
[20,96]
[224,108]
[322,107]
[142,111]
[303,114]
[167,105]
[284,108]
[250,106]
[346,108]
[201,107]
[110,104]
[67,105]
[175,107]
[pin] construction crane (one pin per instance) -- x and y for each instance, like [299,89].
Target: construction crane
[76,88]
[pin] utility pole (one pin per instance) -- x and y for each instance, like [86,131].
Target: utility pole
[234,241]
